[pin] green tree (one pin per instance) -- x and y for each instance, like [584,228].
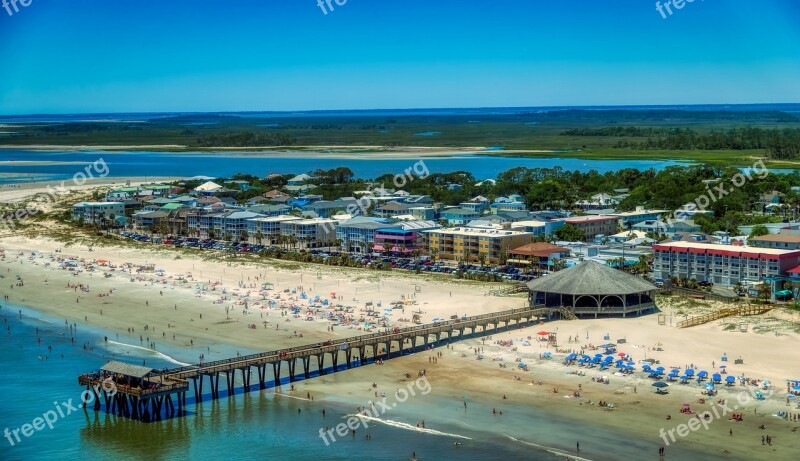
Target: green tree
[570,233]
[759,230]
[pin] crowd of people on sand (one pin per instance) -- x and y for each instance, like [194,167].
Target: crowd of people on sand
[252,296]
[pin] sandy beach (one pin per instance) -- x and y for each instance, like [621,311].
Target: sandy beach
[215,307]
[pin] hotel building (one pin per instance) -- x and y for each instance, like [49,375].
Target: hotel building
[466,244]
[721,264]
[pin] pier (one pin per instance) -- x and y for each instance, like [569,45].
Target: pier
[144,394]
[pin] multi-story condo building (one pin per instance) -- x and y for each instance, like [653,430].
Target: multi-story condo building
[593,225]
[467,244]
[96,212]
[721,264]
[358,235]
[270,228]
[310,233]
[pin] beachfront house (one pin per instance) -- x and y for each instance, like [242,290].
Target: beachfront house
[269,228]
[97,212]
[309,233]
[408,237]
[357,235]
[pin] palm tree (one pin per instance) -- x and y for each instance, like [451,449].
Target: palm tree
[258,236]
[244,235]
[765,291]
[535,262]
[228,236]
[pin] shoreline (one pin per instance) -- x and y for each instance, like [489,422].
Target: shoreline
[457,373]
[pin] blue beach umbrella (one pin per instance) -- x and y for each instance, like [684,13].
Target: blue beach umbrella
[730,380]
[716,377]
[689,372]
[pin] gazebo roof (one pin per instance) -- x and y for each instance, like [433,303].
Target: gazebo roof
[590,278]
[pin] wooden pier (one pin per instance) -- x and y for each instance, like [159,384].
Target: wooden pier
[156,388]
[750,309]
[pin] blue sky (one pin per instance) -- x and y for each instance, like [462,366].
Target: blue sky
[82,56]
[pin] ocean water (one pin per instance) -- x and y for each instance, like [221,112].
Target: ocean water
[144,164]
[259,423]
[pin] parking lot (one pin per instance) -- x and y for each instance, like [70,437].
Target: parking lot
[397,262]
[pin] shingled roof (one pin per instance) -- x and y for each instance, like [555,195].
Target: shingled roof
[126,369]
[590,278]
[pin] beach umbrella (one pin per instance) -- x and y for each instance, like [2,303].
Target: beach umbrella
[543,333]
[689,372]
[797,388]
[702,374]
[622,354]
[716,377]
[660,384]
[730,380]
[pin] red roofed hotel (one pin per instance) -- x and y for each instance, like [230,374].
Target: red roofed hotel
[721,264]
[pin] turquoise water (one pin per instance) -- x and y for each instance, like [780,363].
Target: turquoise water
[188,164]
[260,423]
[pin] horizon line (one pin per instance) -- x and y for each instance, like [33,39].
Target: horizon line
[320,111]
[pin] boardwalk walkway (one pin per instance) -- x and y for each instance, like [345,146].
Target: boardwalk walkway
[750,309]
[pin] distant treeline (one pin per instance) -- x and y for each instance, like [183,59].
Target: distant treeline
[88,127]
[670,115]
[777,143]
[618,131]
[246,139]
